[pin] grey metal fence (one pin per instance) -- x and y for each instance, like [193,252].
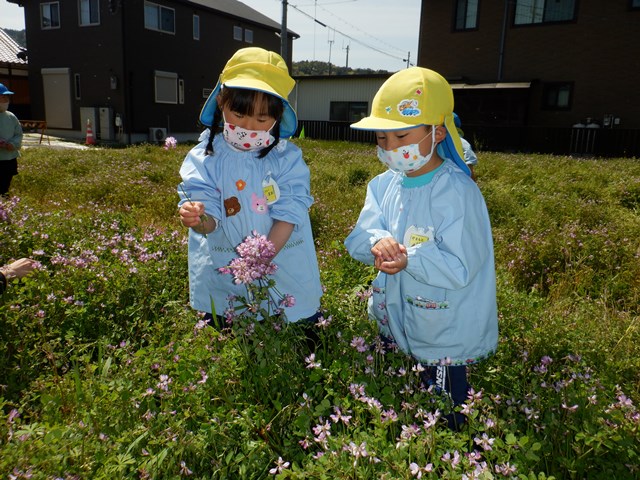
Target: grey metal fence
[598,142]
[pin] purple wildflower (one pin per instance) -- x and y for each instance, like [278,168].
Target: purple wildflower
[254,261]
[170,142]
[359,344]
[288,301]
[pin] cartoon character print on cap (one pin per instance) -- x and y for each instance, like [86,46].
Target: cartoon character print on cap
[409,108]
[232,206]
[259,204]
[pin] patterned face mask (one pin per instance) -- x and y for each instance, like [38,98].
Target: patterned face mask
[407,159]
[247,140]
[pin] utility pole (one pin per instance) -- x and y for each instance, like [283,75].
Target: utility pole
[330,45]
[347,49]
[408,58]
[283,32]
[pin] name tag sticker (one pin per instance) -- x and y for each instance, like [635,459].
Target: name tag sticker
[417,235]
[271,190]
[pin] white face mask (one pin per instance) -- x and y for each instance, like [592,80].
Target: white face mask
[407,159]
[247,140]
[4,106]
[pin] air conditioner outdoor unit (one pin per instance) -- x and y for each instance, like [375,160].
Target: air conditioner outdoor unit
[157,134]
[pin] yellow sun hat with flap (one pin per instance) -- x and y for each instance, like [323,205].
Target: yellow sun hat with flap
[258,69]
[413,97]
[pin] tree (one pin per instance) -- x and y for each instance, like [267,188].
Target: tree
[19,36]
[314,67]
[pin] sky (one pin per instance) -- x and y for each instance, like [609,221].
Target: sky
[376,34]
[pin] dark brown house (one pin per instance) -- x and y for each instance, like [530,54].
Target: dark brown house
[137,69]
[543,65]
[14,74]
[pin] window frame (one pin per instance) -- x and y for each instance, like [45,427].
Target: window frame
[196,27]
[90,3]
[238,33]
[457,18]
[162,81]
[42,16]
[159,19]
[352,108]
[556,88]
[538,18]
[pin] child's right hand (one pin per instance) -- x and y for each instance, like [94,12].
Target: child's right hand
[389,255]
[191,214]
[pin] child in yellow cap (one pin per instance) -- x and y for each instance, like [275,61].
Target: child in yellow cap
[425,227]
[244,178]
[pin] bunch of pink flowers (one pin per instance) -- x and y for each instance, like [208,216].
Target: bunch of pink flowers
[254,262]
[170,142]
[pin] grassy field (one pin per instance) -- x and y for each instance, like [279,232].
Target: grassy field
[106,373]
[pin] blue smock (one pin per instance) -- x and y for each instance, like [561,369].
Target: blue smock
[10,132]
[441,308]
[244,194]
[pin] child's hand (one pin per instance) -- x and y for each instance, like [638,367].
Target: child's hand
[389,256]
[18,269]
[191,214]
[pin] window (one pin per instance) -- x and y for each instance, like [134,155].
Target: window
[347,111]
[196,27]
[466,14]
[248,35]
[206,92]
[237,33]
[544,11]
[50,15]
[89,11]
[556,96]
[76,86]
[157,17]
[166,87]
[634,4]
[181,91]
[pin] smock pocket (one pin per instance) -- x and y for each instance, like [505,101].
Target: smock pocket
[429,319]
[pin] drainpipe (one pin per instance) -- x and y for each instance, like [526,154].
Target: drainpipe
[503,36]
[126,80]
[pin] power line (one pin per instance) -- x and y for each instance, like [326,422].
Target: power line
[358,29]
[371,47]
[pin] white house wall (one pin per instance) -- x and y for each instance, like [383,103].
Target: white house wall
[312,96]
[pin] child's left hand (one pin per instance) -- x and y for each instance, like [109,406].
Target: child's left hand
[389,256]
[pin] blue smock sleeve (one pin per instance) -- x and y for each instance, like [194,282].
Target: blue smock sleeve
[294,182]
[470,157]
[462,241]
[16,139]
[371,225]
[198,184]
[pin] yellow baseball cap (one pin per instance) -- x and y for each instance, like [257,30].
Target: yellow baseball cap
[413,97]
[258,69]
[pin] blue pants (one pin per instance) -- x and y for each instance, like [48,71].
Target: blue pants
[447,380]
[451,381]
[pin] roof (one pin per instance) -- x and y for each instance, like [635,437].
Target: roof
[239,9]
[9,50]
[460,86]
[350,76]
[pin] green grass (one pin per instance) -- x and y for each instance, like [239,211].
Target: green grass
[105,373]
